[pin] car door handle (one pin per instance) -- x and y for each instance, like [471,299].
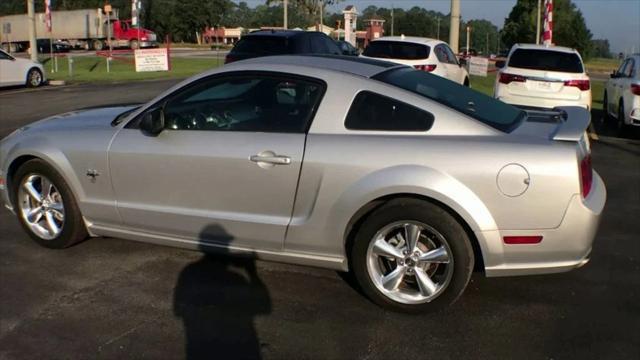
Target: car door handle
[270,159]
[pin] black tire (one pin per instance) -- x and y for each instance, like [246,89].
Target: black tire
[34,78]
[98,45]
[620,125]
[73,230]
[406,209]
[606,118]
[466,82]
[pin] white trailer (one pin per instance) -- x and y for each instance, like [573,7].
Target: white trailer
[85,28]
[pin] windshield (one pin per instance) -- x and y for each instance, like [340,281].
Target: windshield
[548,60]
[262,45]
[486,109]
[397,50]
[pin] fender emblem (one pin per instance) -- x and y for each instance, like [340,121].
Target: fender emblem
[92,174]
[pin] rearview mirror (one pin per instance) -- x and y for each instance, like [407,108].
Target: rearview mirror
[500,64]
[152,122]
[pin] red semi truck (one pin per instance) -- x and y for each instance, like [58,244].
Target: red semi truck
[87,28]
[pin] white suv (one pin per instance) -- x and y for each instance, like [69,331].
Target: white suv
[537,76]
[425,54]
[622,93]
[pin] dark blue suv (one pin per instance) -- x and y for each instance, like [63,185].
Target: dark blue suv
[282,42]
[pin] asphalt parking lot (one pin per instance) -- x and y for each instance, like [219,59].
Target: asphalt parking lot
[110,298]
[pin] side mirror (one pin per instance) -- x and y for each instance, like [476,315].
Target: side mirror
[462,62]
[614,74]
[152,122]
[500,64]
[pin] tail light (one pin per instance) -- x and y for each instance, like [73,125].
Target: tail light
[228,59]
[635,89]
[427,68]
[509,78]
[586,175]
[583,85]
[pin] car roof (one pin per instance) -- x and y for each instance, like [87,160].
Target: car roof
[280,33]
[545,47]
[411,39]
[346,64]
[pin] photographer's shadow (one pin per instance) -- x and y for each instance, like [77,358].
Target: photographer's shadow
[217,298]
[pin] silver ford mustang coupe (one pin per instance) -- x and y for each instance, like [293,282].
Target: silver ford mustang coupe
[407,180]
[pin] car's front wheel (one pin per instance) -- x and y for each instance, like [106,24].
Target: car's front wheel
[412,256]
[34,78]
[46,207]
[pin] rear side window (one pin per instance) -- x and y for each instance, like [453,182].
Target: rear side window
[546,60]
[262,45]
[371,111]
[472,103]
[397,50]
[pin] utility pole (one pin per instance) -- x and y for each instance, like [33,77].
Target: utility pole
[286,5]
[468,33]
[32,30]
[487,49]
[438,32]
[322,15]
[392,20]
[454,28]
[538,24]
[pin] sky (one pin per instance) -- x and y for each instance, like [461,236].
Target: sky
[616,20]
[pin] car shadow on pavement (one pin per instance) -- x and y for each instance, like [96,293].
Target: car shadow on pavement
[218,298]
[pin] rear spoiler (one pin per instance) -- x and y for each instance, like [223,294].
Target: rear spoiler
[575,122]
[570,121]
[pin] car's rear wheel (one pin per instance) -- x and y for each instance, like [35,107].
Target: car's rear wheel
[46,207]
[34,78]
[412,256]
[620,125]
[134,44]
[605,108]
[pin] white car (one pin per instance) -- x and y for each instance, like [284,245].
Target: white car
[425,54]
[18,71]
[622,93]
[538,76]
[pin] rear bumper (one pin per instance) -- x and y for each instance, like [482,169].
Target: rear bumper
[562,249]
[543,103]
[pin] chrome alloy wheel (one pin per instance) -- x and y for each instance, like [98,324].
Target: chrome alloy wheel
[35,78]
[41,206]
[410,262]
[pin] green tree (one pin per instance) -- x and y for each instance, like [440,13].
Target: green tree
[569,26]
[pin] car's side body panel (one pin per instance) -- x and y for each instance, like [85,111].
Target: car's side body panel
[334,173]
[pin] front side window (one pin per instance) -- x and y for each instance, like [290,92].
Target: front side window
[4,55]
[472,103]
[256,103]
[371,111]
[620,70]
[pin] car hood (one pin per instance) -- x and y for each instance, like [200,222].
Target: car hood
[81,119]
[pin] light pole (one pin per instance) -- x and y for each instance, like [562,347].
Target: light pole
[392,20]
[454,28]
[32,30]
[468,33]
[438,32]
[538,24]
[286,5]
